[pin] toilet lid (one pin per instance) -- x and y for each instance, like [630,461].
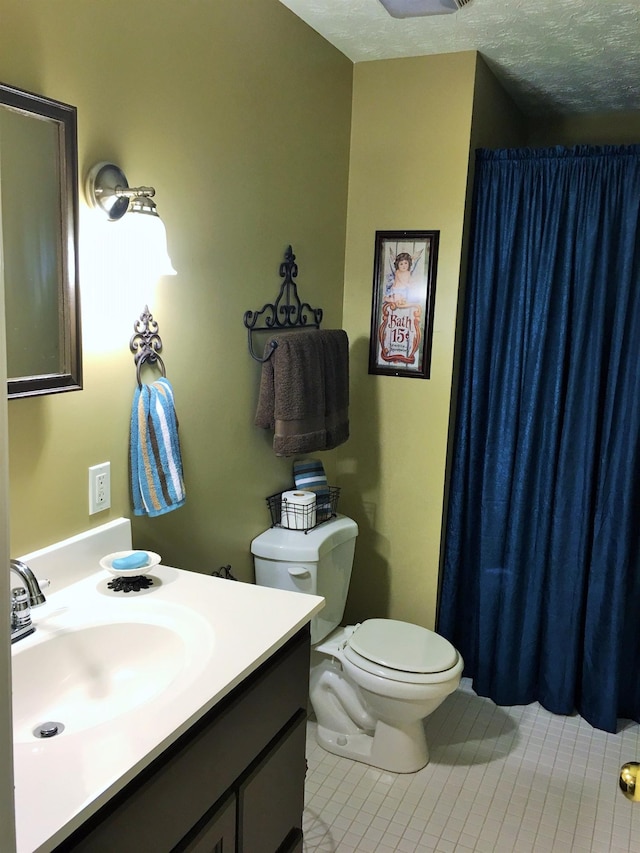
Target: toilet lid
[402,646]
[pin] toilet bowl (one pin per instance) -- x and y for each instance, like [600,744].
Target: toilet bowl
[371,685]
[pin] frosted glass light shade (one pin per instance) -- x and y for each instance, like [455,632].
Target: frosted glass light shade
[145,238]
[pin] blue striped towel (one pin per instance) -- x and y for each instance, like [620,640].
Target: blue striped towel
[157,484]
[309,474]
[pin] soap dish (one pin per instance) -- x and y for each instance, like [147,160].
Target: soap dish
[107,563]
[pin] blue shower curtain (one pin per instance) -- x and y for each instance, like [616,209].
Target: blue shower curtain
[541,576]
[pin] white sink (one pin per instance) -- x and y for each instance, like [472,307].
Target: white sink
[85,675]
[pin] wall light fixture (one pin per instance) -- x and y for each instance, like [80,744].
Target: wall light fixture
[107,189]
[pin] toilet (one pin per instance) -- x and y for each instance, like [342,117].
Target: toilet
[371,685]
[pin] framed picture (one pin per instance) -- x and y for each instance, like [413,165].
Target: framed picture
[404,289]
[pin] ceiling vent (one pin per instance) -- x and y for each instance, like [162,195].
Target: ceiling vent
[421,8]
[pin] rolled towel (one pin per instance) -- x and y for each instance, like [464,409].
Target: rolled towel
[309,474]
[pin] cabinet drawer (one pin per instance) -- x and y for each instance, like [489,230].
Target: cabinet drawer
[217,833]
[271,799]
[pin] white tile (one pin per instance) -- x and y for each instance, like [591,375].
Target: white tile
[342,823]
[386,812]
[396,829]
[350,841]
[362,819]
[483,846]
[418,823]
[444,847]
[348,812]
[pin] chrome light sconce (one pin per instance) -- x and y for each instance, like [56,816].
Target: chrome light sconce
[107,189]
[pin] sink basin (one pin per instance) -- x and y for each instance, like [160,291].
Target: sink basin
[86,675]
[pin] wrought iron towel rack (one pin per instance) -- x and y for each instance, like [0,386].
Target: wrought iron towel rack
[146,343]
[287,312]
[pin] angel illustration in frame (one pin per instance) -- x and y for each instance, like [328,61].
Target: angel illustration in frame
[404,282]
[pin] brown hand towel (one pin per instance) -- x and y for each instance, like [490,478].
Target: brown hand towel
[304,391]
[335,344]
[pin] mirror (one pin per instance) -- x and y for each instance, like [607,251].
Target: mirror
[39,243]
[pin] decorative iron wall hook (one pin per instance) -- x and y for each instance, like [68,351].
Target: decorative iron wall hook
[146,343]
[287,312]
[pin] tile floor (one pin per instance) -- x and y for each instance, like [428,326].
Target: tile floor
[499,780]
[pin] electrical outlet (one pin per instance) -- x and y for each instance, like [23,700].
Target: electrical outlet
[99,487]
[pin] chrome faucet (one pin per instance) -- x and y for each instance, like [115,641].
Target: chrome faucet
[22,600]
[29,579]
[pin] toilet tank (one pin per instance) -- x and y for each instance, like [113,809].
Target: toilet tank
[318,562]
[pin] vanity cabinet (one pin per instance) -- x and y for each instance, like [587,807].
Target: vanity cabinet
[233,782]
[218,834]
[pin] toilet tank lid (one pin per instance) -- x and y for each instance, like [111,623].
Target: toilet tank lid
[277,543]
[403,646]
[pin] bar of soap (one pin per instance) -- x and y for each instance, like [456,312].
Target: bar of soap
[134,560]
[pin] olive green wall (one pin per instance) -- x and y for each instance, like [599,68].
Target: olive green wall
[410,140]
[586,129]
[239,115]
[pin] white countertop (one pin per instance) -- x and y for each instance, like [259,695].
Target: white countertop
[60,782]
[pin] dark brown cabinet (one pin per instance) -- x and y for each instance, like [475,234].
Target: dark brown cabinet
[234,783]
[218,834]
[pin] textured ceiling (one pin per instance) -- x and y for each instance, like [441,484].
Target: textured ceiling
[551,55]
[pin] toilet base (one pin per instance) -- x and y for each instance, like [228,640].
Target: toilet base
[398,750]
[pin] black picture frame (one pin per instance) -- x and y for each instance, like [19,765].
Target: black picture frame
[404,290]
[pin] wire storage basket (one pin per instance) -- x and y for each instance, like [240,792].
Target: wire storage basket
[303,518]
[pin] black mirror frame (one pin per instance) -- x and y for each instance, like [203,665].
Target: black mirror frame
[70,378]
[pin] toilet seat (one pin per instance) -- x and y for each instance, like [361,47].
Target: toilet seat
[401,651]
